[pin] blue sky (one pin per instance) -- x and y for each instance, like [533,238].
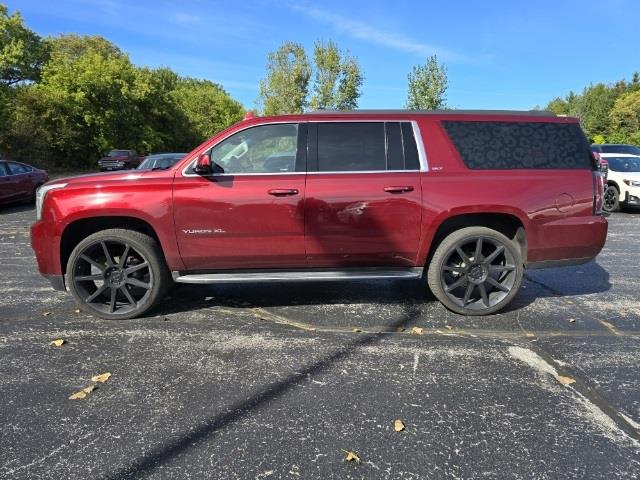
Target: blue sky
[500,54]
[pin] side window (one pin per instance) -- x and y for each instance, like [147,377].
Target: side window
[515,145]
[3,172]
[262,149]
[17,169]
[351,146]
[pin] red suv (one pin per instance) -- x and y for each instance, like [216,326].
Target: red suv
[463,200]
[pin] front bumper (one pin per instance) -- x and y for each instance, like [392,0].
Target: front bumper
[630,199]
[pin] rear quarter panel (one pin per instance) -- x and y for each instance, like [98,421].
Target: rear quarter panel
[555,206]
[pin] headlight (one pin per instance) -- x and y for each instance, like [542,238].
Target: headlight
[632,183]
[41,193]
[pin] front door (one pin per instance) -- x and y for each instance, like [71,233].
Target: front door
[249,214]
[363,199]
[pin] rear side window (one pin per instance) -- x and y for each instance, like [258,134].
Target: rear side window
[518,145]
[351,146]
[17,168]
[365,146]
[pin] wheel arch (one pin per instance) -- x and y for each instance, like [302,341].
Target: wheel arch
[508,224]
[79,229]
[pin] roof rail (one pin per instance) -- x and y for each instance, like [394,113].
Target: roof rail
[533,113]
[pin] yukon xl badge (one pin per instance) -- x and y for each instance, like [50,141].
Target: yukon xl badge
[202,231]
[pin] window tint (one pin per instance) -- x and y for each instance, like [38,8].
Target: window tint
[351,146]
[263,149]
[17,168]
[395,155]
[512,145]
[3,173]
[624,164]
[411,159]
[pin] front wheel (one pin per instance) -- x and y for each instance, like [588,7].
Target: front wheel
[117,274]
[611,199]
[475,271]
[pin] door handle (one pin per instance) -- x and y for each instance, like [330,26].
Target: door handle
[399,189]
[281,192]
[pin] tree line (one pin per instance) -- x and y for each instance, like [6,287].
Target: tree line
[67,99]
[608,113]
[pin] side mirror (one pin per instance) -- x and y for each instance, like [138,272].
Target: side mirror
[203,165]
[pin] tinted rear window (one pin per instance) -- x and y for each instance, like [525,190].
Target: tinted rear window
[516,145]
[351,146]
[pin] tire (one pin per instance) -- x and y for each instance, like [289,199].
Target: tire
[611,199]
[32,199]
[470,287]
[135,270]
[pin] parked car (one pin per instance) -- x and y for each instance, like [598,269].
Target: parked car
[159,161]
[19,181]
[350,196]
[119,160]
[623,181]
[615,148]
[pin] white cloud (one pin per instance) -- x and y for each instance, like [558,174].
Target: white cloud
[369,33]
[182,18]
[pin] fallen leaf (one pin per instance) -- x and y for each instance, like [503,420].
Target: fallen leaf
[417,330]
[58,342]
[448,327]
[565,380]
[46,314]
[80,394]
[398,426]
[572,320]
[357,330]
[77,310]
[529,334]
[103,377]
[351,457]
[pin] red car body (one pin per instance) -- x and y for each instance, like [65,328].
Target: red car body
[19,181]
[391,219]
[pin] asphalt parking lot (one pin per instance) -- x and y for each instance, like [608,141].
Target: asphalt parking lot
[278,381]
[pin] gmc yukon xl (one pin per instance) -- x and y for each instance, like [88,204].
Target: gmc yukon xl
[462,200]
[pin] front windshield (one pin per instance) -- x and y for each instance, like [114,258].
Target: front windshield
[624,164]
[118,153]
[160,161]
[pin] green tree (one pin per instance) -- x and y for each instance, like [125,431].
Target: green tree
[625,119]
[427,86]
[207,109]
[337,78]
[22,52]
[285,88]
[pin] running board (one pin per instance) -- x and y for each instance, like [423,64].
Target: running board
[310,275]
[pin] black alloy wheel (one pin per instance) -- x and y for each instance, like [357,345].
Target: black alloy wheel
[476,271]
[117,274]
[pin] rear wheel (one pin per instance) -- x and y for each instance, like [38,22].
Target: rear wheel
[611,199]
[476,271]
[117,274]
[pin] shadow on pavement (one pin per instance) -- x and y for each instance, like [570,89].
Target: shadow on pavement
[210,426]
[578,280]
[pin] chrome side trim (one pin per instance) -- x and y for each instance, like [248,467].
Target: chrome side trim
[310,275]
[422,155]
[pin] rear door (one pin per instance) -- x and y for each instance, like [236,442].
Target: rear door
[363,199]
[250,214]
[21,176]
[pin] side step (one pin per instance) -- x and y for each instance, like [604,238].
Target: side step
[309,275]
